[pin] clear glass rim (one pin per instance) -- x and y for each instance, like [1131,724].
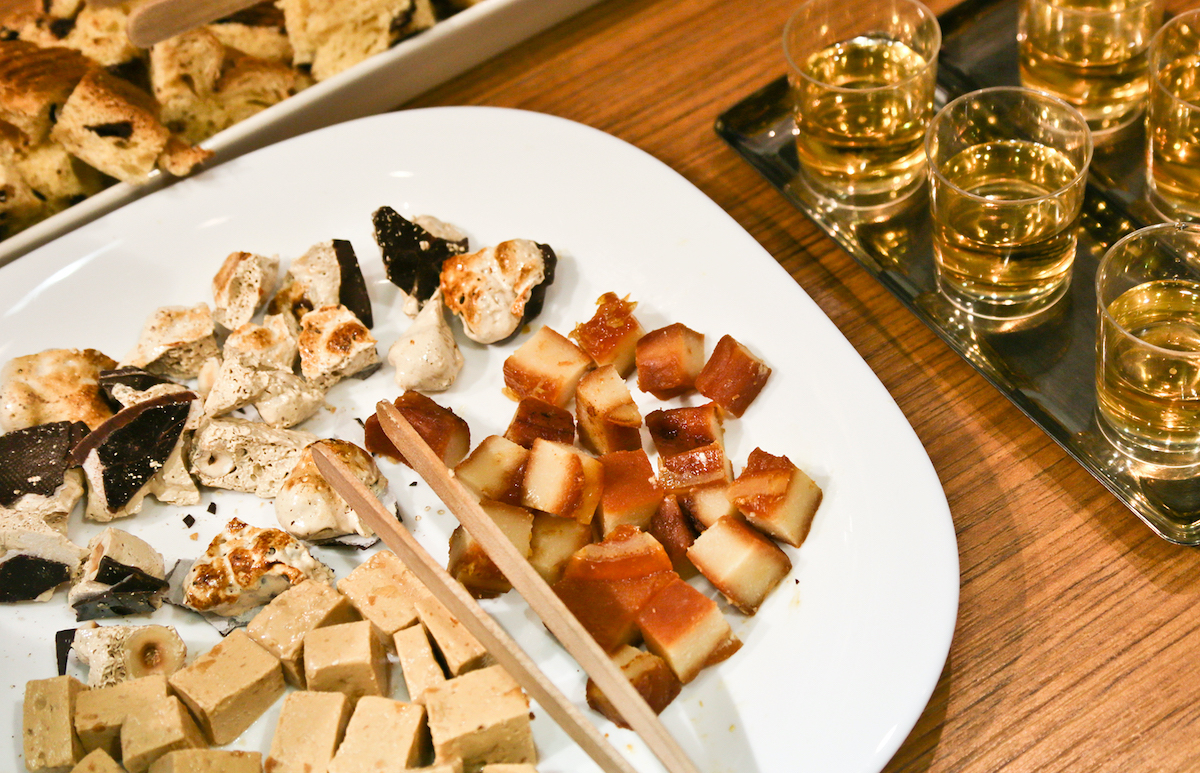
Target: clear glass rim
[1080,175]
[1102,269]
[1152,56]
[928,17]
[1094,12]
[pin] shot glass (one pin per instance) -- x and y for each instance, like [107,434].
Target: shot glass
[1148,347]
[1007,168]
[863,78]
[1173,119]
[1091,54]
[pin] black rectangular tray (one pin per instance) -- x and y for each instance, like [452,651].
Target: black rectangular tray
[1046,369]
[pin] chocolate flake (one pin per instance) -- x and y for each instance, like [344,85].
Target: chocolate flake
[112,572]
[33,460]
[212,507]
[62,648]
[189,520]
[353,293]
[25,577]
[118,601]
[134,378]
[537,296]
[412,257]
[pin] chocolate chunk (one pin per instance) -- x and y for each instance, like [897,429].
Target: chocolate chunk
[412,257]
[60,28]
[353,293]
[62,648]
[124,598]
[189,520]
[134,444]
[537,296]
[111,572]
[134,378]
[24,577]
[212,507]
[33,460]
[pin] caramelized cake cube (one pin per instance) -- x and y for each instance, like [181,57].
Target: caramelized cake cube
[562,481]
[740,562]
[553,541]
[650,676]
[675,430]
[706,464]
[732,377]
[539,419]
[674,530]
[707,502]
[609,420]
[547,367]
[494,470]
[686,629]
[631,493]
[610,337]
[440,428]
[470,564]
[668,360]
[606,584]
[776,497]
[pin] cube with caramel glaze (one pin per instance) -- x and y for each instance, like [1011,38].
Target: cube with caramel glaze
[673,529]
[562,481]
[776,497]
[650,676]
[609,420]
[707,502]
[675,430]
[668,360]
[440,428]
[740,562]
[494,470]
[706,464]
[539,419]
[732,377]
[686,629]
[470,564]
[631,493]
[553,541]
[547,367]
[610,337]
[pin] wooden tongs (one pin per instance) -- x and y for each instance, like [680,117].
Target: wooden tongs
[156,20]
[561,623]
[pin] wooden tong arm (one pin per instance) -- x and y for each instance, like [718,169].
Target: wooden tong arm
[156,20]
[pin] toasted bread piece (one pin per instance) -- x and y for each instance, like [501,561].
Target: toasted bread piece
[183,74]
[249,84]
[257,31]
[35,84]
[97,31]
[56,176]
[333,35]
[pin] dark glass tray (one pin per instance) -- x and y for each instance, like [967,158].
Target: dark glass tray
[1047,367]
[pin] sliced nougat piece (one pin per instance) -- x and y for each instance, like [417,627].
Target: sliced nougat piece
[674,530]
[606,584]
[494,470]
[497,289]
[230,686]
[460,651]
[440,428]
[650,676]
[310,727]
[609,420]
[740,562]
[668,360]
[481,717]
[418,664]
[154,729]
[282,624]
[707,502]
[706,464]
[246,455]
[334,344]
[675,430]
[383,734]
[112,125]
[610,337]
[307,506]
[175,341]
[54,385]
[35,83]
[547,366]
[385,592]
[776,497]
[101,713]
[242,284]
[245,567]
[347,658]
[686,629]
[39,485]
[536,418]
[270,345]
[258,31]
[631,493]
[552,543]
[562,481]
[470,564]
[49,739]
[732,377]
[328,274]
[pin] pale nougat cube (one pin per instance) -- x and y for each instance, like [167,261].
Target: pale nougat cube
[418,664]
[610,337]
[482,717]
[740,562]
[776,497]
[282,624]
[631,493]
[707,503]
[650,676]
[97,762]
[230,686]
[385,593]
[668,360]
[153,729]
[547,367]
[208,761]
[675,430]
[460,651]
[706,464]
[494,470]
[347,658]
[100,713]
[50,743]
[608,418]
[732,377]
[470,564]
[562,481]
[383,734]
[686,629]
[553,541]
[310,727]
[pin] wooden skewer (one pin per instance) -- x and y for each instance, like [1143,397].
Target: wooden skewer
[455,598]
[156,20]
[545,604]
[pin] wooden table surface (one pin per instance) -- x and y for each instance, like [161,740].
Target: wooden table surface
[1076,646]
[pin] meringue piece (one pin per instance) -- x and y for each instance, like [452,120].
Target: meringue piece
[334,344]
[497,288]
[241,285]
[175,341]
[307,506]
[269,345]
[54,385]
[246,455]
[427,358]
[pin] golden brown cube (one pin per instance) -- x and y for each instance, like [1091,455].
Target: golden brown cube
[668,361]
[347,658]
[610,337]
[209,761]
[776,497]
[440,428]
[553,541]
[281,625]
[385,593]
[383,734]
[562,481]
[100,713]
[460,651]
[631,493]
[675,430]
[420,667]
[674,530]
[608,418]
[740,562]
[547,367]
[50,743]
[494,470]
[470,564]
[686,629]
[481,717]
[650,676]
[153,729]
[706,464]
[310,727]
[539,419]
[96,762]
[732,377]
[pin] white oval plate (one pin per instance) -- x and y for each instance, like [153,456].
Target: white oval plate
[841,660]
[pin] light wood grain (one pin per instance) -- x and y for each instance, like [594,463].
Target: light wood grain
[456,599]
[1078,631]
[156,20]
[526,581]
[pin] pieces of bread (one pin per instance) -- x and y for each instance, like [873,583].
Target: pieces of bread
[35,84]
[333,35]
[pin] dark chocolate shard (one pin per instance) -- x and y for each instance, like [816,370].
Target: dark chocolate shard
[112,572]
[62,648]
[353,293]
[24,577]
[189,520]
[120,600]
[212,507]
[412,257]
[134,378]
[134,444]
[537,296]
[33,460]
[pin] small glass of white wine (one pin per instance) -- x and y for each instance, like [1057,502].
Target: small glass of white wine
[1173,119]
[862,77]
[1148,345]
